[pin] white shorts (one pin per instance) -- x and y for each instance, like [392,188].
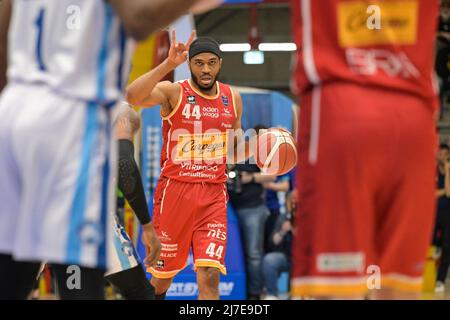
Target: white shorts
[56,192]
[122,253]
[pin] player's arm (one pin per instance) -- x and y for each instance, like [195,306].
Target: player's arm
[240,150]
[142,17]
[5,15]
[148,91]
[281,186]
[126,126]
[257,177]
[447,179]
[130,183]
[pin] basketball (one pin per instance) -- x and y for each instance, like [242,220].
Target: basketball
[276,151]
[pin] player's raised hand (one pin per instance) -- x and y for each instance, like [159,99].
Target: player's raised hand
[178,52]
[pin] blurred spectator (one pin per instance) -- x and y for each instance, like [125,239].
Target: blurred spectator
[282,184]
[279,259]
[247,198]
[443,53]
[444,22]
[441,238]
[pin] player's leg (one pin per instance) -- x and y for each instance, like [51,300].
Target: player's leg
[273,264]
[18,278]
[341,152]
[252,224]
[208,279]
[445,255]
[67,193]
[209,238]
[438,229]
[161,286]
[173,222]
[79,283]
[126,273]
[406,200]
[269,227]
[132,284]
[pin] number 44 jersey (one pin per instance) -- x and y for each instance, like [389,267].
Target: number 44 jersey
[196,135]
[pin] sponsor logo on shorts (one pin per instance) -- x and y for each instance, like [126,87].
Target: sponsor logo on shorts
[168,255]
[215,225]
[169,247]
[398,23]
[217,234]
[160,264]
[341,262]
[165,236]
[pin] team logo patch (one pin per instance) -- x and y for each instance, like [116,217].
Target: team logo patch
[160,264]
[191,99]
[225,101]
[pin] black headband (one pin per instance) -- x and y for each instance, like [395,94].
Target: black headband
[202,45]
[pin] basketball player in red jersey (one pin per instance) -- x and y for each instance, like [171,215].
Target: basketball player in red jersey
[367,145]
[191,196]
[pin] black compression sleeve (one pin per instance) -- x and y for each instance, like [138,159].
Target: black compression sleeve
[130,182]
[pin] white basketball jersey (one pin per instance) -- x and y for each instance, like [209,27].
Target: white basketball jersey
[77,47]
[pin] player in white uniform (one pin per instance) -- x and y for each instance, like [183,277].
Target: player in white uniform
[65,72]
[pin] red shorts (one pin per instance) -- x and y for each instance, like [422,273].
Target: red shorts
[366,191]
[189,215]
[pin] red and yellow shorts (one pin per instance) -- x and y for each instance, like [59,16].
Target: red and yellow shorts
[189,215]
[366,191]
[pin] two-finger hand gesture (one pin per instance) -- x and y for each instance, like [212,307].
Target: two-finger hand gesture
[178,51]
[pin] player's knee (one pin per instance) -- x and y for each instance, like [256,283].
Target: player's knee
[208,279]
[161,285]
[269,259]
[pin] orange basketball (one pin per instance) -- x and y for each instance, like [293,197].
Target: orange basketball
[276,152]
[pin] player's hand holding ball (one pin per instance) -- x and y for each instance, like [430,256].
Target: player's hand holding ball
[276,152]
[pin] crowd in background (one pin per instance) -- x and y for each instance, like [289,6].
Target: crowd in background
[441,235]
[264,206]
[443,55]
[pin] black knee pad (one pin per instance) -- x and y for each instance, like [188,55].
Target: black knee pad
[132,284]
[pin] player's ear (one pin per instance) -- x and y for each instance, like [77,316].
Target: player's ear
[220,62]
